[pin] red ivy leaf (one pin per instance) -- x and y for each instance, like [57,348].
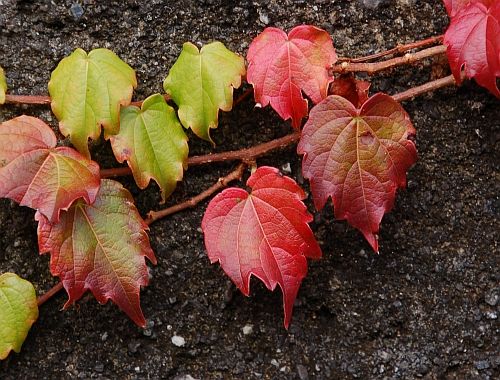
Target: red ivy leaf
[264,233]
[34,173]
[359,157]
[473,42]
[101,248]
[453,6]
[354,90]
[280,66]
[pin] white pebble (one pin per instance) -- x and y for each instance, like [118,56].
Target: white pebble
[247,329]
[178,341]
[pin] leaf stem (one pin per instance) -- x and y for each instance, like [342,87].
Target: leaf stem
[400,49]
[153,216]
[374,67]
[424,88]
[49,294]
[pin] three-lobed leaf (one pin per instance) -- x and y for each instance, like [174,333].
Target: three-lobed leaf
[18,311]
[265,234]
[3,86]
[359,157]
[473,42]
[281,66]
[153,143]
[34,173]
[201,82]
[87,91]
[101,248]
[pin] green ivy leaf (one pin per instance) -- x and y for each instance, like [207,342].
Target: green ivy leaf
[87,92]
[3,86]
[18,311]
[153,142]
[202,82]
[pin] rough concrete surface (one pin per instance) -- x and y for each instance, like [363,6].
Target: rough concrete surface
[425,307]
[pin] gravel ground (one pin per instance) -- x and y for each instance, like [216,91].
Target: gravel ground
[426,307]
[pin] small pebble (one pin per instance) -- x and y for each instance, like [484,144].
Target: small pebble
[247,329]
[482,364]
[302,371]
[76,11]
[275,363]
[491,298]
[178,341]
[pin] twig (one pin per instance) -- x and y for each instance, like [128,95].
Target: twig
[426,87]
[373,67]
[27,99]
[49,294]
[246,154]
[397,50]
[153,216]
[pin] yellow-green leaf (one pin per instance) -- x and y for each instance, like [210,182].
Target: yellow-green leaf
[202,82]
[18,311]
[154,144]
[87,92]
[3,86]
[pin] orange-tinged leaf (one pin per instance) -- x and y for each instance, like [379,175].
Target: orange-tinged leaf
[281,66]
[359,157]
[473,43]
[34,173]
[265,234]
[101,248]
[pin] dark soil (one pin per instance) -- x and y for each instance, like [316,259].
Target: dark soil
[425,307]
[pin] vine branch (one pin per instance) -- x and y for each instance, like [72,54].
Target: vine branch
[424,88]
[246,154]
[49,294]
[400,49]
[374,67]
[153,216]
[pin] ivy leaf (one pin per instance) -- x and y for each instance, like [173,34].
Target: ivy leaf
[87,92]
[264,234]
[282,66]
[18,311]
[101,248]
[202,82]
[356,91]
[453,6]
[3,86]
[34,173]
[473,43]
[154,144]
[359,157]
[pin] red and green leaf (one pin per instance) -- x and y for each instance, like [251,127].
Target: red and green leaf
[281,66]
[34,173]
[101,248]
[473,43]
[359,157]
[265,234]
